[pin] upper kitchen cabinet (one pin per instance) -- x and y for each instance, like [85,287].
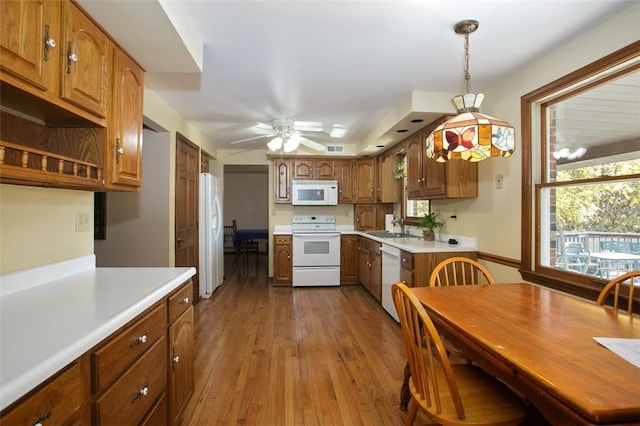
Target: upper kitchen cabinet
[429,179]
[344,177]
[86,62]
[71,100]
[124,140]
[389,188]
[313,168]
[282,183]
[29,40]
[365,180]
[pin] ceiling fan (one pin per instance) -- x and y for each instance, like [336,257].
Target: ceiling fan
[286,137]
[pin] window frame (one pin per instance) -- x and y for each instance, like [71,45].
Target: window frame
[531,123]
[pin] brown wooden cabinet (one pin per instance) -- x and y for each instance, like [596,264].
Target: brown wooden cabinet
[125,379]
[344,177]
[313,168]
[348,259]
[86,57]
[282,263]
[370,266]
[429,179]
[61,68]
[180,356]
[124,135]
[282,178]
[416,268]
[365,180]
[389,188]
[369,217]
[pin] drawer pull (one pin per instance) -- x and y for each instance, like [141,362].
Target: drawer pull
[40,421]
[140,339]
[184,300]
[176,359]
[143,391]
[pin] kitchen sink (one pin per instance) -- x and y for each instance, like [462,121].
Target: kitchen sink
[386,234]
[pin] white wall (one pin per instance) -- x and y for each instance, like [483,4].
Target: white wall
[138,227]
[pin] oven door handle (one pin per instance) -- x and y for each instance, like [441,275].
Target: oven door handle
[316,235]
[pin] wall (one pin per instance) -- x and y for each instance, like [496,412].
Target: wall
[495,216]
[38,226]
[138,225]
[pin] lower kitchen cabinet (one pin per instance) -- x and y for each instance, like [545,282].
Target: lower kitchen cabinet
[283,262]
[123,380]
[416,268]
[370,266]
[348,259]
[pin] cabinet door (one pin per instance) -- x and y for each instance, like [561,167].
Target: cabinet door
[323,169]
[348,259]
[344,177]
[86,64]
[180,363]
[415,158]
[282,176]
[365,178]
[390,188]
[364,267]
[303,168]
[283,263]
[27,25]
[124,155]
[375,285]
[434,178]
[366,217]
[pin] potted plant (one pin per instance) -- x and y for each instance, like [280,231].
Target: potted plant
[429,222]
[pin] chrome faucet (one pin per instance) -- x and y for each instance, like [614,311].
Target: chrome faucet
[398,221]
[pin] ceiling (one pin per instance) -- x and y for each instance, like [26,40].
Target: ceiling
[366,67]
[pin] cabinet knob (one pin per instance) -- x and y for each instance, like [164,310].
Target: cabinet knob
[51,42]
[143,391]
[404,282]
[140,339]
[404,260]
[40,421]
[176,359]
[184,300]
[48,43]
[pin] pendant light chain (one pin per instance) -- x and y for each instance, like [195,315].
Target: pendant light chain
[467,75]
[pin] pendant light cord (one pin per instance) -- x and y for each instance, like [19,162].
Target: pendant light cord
[467,75]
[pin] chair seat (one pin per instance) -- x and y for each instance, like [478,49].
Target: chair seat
[487,401]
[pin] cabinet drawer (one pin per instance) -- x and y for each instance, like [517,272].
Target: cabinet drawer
[180,301]
[57,402]
[406,277]
[282,239]
[112,358]
[406,260]
[159,414]
[136,391]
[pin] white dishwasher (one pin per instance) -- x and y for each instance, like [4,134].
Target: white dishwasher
[390,274]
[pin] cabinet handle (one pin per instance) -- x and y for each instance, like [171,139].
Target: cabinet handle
[288,257]
[140,339]
[183,301]
[48,43]
[40,421]
[176,359]
[119,150]
[143,391]
[404,282]
[404,260]
[71,57]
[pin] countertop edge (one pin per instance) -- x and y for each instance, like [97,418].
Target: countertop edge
[29,380]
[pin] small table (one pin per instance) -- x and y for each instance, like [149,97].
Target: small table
[611,262]
[243,236]
[540,342]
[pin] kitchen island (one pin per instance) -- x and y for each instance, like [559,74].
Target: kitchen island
[53,315]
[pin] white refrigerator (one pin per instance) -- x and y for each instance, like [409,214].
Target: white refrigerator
[211,262]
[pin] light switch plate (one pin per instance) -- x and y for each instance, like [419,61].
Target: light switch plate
[82,222]
[499,181]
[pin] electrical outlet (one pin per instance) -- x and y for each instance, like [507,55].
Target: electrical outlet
[82,222]
[499,181]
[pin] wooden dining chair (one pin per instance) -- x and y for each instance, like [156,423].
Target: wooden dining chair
[448,393]
[630,280]
[242,248]
[459,271]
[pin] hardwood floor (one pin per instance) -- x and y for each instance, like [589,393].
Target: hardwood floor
[305,356]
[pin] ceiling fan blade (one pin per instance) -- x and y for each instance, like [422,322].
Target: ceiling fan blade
[250,139]
[312,144]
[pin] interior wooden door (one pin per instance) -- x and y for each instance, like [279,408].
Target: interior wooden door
[186,229]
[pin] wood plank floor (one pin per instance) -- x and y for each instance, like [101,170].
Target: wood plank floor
[303,356]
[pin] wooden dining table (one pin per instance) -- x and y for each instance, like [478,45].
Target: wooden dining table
[540,342]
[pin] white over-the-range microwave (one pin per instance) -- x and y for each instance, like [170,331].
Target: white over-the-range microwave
[314,193]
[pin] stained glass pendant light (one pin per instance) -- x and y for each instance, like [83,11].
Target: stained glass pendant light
[470,135]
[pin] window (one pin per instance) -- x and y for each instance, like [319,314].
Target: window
[581,176]
[413,209]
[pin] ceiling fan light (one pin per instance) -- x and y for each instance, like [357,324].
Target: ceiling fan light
[275,144]
[292,143]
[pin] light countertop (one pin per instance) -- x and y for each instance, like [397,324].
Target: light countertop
[45,325]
